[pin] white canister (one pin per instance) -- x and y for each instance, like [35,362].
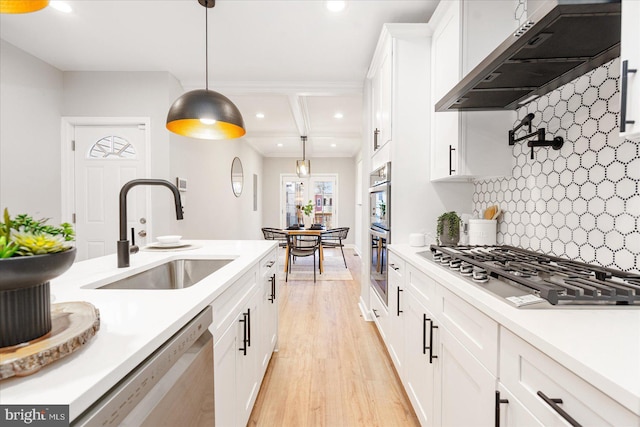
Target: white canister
[416,239]
[483,231]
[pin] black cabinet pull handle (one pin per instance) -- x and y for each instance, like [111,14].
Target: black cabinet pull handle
[398,303]
[249,327]
[554,405]
[424,334]
[273,285]
[451,150]
[394,267]
[272,297]
[375,313]
[375,139]
[243,349]
[430,348]
[270,264]
[498,402]
[623,95]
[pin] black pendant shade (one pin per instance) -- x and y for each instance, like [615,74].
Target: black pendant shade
[205,114]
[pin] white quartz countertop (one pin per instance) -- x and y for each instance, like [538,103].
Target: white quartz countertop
[601,345]
[133,323]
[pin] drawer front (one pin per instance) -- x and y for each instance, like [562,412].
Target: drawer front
[475,330]
[379,314]
[229,304]
[268,264]
[525,371]
[424,288]
[396,268]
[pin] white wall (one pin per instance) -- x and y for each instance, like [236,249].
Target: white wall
[345,167]
[211,210]
[30,99]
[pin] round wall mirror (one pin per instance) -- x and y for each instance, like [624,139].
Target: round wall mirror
[237,177]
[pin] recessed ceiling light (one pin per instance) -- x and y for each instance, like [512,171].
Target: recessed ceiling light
[336,6]
[334,145]
[280,145]
[338,115]
[61,6]
[260,115]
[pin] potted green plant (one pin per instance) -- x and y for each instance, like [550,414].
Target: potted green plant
[308,210]
[448,229]
[31,253]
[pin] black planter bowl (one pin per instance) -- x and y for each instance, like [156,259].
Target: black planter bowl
[25,297]
[27,271]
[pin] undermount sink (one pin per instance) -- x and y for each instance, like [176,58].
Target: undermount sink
[177,274]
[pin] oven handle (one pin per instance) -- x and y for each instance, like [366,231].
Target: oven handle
[380,188]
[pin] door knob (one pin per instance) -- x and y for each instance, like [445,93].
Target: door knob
[142,233]
[143,220]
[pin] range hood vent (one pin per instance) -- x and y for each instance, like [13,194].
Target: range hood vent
[563,40]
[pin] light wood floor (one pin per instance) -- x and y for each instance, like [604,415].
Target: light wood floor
[331,368]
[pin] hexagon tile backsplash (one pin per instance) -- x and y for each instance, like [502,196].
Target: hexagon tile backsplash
[583,201]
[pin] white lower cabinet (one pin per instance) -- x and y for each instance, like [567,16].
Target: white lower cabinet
[269,321]
[465,389]
[419,365]
[552,393]
[379,314]
[461,368]
[244,331]
[446,383]
[396,291]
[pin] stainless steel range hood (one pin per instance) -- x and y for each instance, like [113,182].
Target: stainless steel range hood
[562,40]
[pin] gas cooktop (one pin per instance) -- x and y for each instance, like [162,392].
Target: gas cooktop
[526,277]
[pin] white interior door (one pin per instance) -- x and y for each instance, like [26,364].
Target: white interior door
[105,158]
[321,190]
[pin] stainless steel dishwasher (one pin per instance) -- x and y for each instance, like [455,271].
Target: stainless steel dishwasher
[172,387]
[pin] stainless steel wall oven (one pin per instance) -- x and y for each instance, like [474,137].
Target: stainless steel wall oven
[380,227]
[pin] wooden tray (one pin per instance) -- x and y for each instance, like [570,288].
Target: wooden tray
[73,325]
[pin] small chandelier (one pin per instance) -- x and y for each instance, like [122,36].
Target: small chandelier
[22,6]
[203,113]
[303,167]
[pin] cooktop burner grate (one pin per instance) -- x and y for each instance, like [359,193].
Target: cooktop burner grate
[558,280]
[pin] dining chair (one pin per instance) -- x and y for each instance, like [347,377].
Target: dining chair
[303,246]
[275,234]
[333,239]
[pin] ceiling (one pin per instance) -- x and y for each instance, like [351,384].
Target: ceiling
[292,60]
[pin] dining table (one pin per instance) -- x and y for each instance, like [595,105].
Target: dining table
[304,232]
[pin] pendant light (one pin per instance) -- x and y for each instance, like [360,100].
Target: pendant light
[203,113]
[303,167]
[22,6]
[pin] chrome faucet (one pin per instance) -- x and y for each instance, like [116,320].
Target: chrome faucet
[123,243]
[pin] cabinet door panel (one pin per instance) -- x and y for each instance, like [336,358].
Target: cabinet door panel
[630,51]
[395,342]
[224,370]
[513,413]
[420,379]
[467,389]
[247,364]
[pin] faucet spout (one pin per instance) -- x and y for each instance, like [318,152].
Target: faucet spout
[123,243]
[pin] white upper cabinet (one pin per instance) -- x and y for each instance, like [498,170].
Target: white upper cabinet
[468,144]
[382,88]
[630,58]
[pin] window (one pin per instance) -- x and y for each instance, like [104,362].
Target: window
[112,147]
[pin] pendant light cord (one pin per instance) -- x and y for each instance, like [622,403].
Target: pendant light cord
[206,47]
